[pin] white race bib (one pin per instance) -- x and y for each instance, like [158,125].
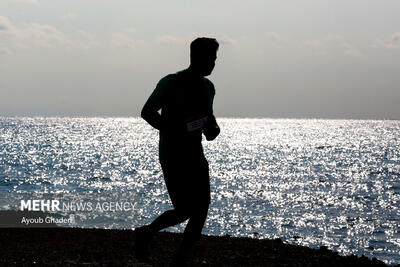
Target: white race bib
[196,125]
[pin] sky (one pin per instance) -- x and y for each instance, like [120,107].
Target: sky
[336,59]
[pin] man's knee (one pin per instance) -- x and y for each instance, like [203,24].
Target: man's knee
[182,213]
[203,209]
[195,209]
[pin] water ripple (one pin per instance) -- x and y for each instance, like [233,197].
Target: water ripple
[310,182]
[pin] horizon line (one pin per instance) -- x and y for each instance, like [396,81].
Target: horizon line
[219,117]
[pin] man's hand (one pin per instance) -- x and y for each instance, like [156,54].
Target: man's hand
[212,130]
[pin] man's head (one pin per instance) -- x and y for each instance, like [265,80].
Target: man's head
[203,53]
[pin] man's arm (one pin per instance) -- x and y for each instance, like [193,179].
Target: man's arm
[150,114]
[155,102]
[211,130]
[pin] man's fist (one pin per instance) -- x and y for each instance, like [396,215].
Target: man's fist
[211,131]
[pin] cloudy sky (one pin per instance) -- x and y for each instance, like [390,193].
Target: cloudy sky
[279,59]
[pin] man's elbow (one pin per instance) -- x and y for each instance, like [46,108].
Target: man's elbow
[145,113]
[149,115]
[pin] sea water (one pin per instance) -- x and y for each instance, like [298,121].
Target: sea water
[309,182]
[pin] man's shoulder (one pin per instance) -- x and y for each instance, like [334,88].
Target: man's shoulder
[210,85]
[174,79]
[168,79]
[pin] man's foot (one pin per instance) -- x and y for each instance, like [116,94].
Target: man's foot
[141,243]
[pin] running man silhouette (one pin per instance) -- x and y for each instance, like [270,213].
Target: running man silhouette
[186,102]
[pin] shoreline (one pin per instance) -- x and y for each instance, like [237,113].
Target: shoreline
[62,246]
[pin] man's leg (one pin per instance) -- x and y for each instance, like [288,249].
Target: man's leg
[144,234]
[167,219]
[198,209]
[191,234]
[194,227]
[173,177]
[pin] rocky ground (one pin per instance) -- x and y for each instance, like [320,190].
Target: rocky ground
[98,247]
